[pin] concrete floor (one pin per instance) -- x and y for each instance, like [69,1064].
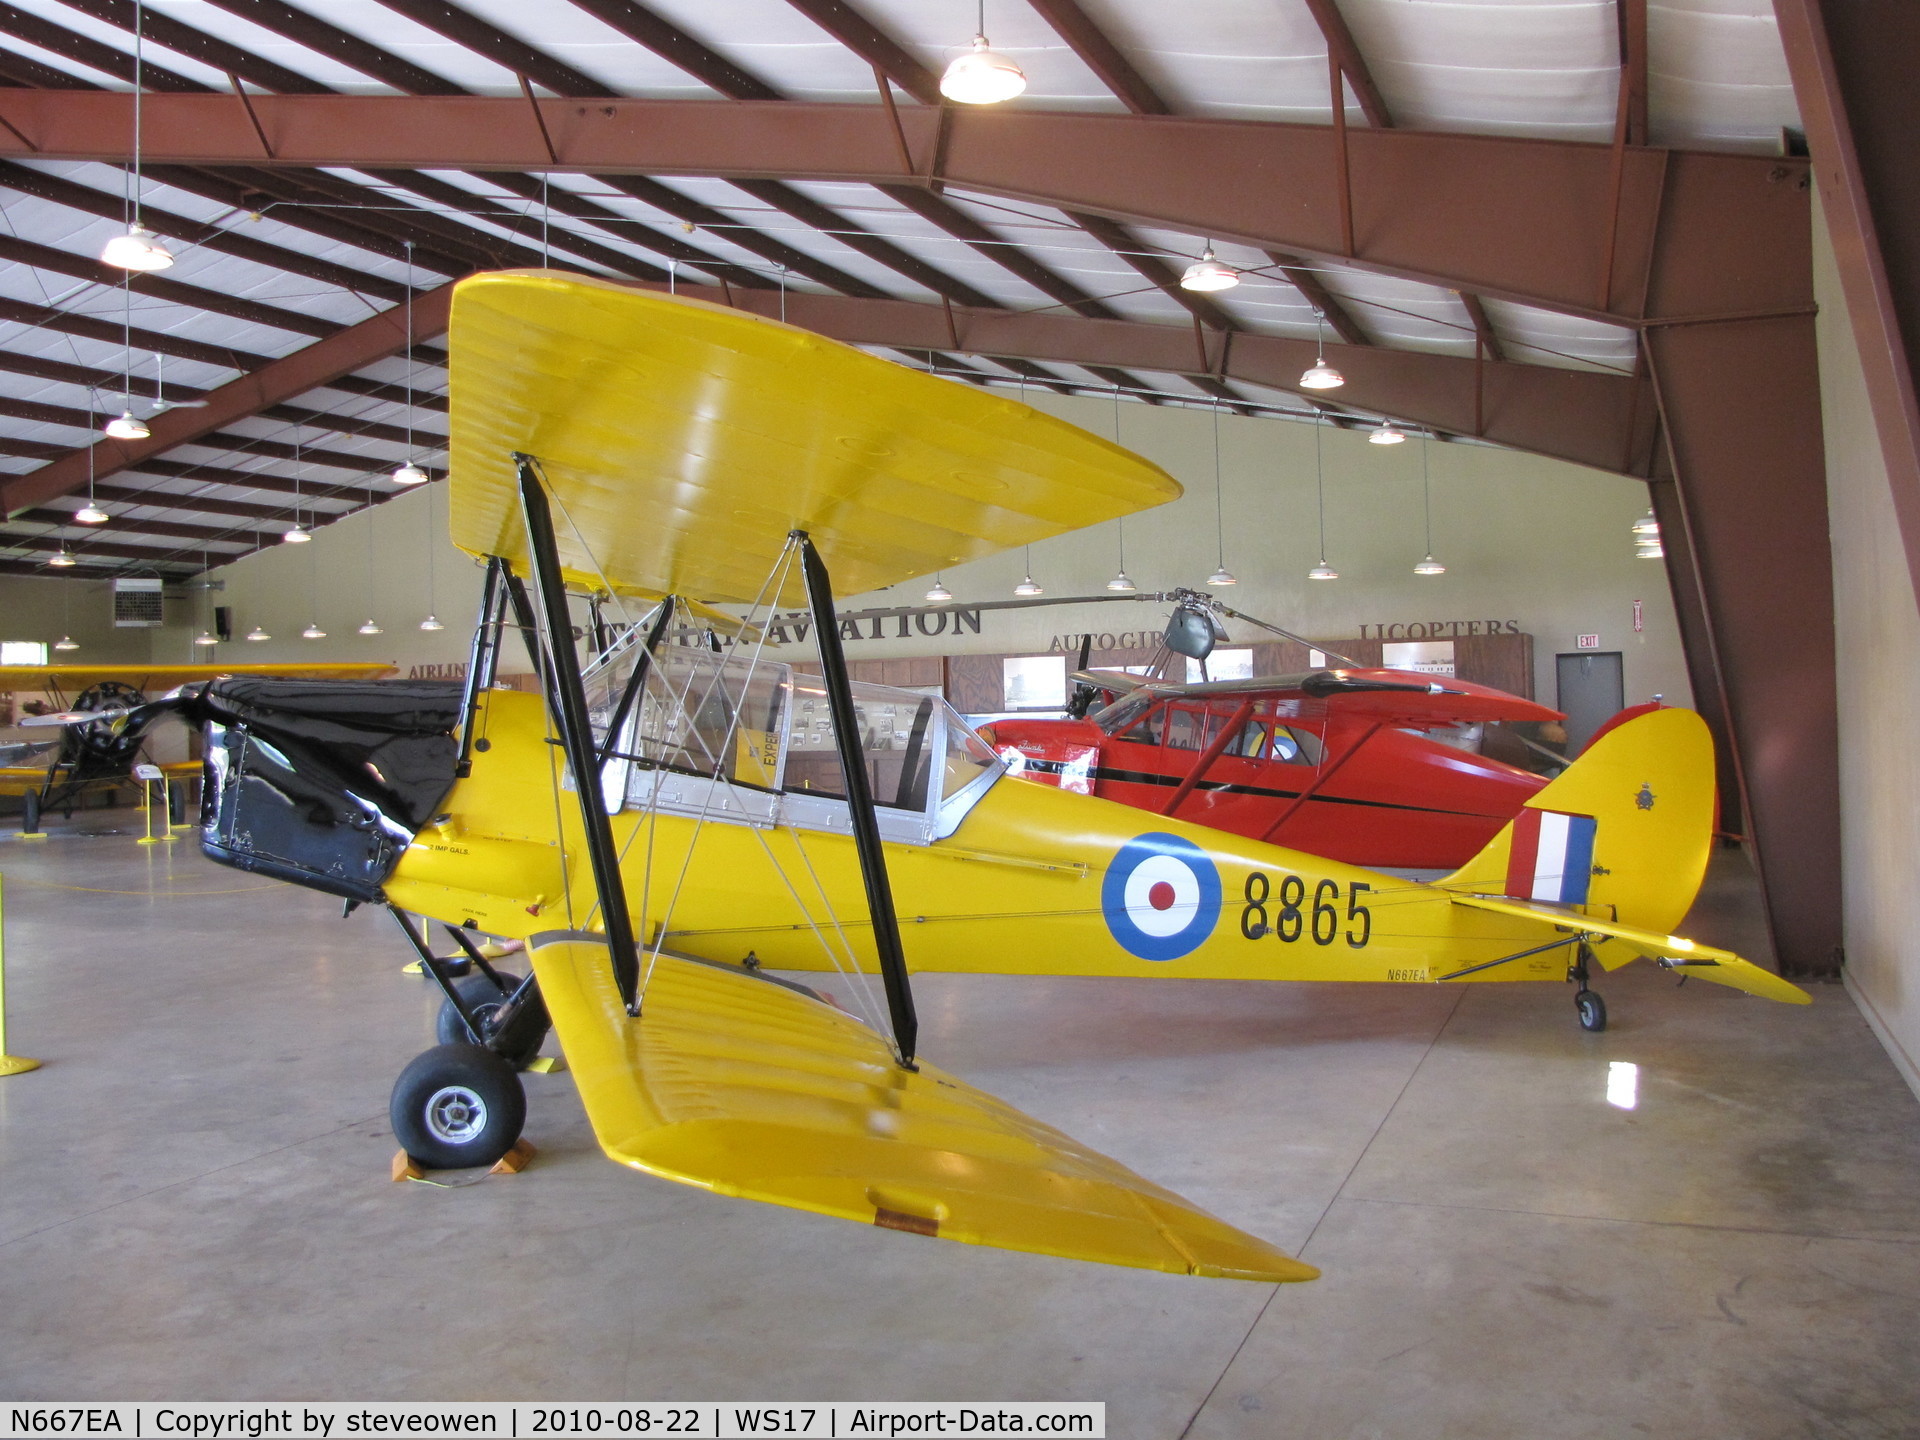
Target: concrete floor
[194,1201]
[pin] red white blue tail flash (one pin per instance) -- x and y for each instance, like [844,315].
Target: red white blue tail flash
[1552,857]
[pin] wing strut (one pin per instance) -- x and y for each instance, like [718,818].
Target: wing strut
[568,700]
[866,829]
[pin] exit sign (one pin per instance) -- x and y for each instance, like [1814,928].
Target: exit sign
[1586,642]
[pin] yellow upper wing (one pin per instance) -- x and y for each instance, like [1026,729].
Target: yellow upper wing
[744,1086]
[683,441]
[72,679]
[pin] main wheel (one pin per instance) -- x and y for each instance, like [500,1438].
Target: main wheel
[1592,1010]
[485,999]
[456,1106]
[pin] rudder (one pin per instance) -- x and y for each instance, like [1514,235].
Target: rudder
[1625,830]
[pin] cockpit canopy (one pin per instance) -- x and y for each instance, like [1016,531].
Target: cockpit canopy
[736,737]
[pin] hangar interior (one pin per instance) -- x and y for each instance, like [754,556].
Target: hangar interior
[1598,263]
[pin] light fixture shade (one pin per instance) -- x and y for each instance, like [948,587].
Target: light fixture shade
[1323,571]
[206,637]
[62,558]
[1222,576]
[370,629]
[1429,566]
[410,474]
[91,514]
[1207,273]
[1646,525]
[1322,376]
[1026,588]
[1649,550]
[257,634]
[66,642]
[127,426]
[313,632]
[295,536]
[432,622]
[1121,584]
[138,249]
[939,594]
[982,77]
[1388,434]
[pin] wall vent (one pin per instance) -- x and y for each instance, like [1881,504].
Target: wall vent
[136,603]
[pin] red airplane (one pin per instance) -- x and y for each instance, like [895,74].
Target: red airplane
[1327,762]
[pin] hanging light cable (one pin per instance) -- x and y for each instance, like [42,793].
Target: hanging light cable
[1122,583]
[1429,565]
[372,627]
[66,640]
[432,622]
[138,248]
[313,630]
[1221,575]
[206,636]
[982,76]
[1322,571]
[296,536]
[1320,375]
[410,473]
[90,513]
[126,425]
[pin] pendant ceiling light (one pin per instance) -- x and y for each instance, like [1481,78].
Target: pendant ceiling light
[296,536]
[1122,583]
[1646,538]
[1027,589]
[62,558]
[256,634]
[432,622]
[982,76]
[370,628]
[1320,375]
[1207,273]
[1221,575]
[66,642]
[313,632]
[127,426]
[1322,571]
[1428,565]
[1388,434]
[938,593]
[206,637]
[138,248]
[410,474]
[91,514]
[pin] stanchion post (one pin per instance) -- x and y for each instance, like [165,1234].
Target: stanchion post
[147,775]
[9,1064]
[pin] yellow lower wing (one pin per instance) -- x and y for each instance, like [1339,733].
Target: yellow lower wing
[1689,957]
[750,1087]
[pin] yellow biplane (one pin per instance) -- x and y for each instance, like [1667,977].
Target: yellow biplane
[100,752]
[669,822]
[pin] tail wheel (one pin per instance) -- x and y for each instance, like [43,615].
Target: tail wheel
[1592,1011]
[456,1106]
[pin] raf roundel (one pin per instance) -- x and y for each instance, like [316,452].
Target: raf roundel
[1161,897]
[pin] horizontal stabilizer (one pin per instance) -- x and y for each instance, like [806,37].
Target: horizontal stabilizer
[1670,952]
[750,1087]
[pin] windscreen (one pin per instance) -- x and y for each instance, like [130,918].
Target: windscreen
[700,714]
[895,728]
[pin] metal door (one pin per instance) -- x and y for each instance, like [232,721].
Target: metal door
[1591,691]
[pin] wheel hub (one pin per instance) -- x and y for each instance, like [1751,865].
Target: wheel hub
[456,1115]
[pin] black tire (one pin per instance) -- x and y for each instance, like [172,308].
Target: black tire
[1592,1010]
[457,1106]
[480,995]
[30,813]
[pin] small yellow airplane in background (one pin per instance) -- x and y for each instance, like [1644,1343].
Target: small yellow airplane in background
[667,826]
[99,753]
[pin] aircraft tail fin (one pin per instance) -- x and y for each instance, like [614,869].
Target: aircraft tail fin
[1623,833]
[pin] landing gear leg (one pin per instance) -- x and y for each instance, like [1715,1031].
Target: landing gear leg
[1591,1009]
